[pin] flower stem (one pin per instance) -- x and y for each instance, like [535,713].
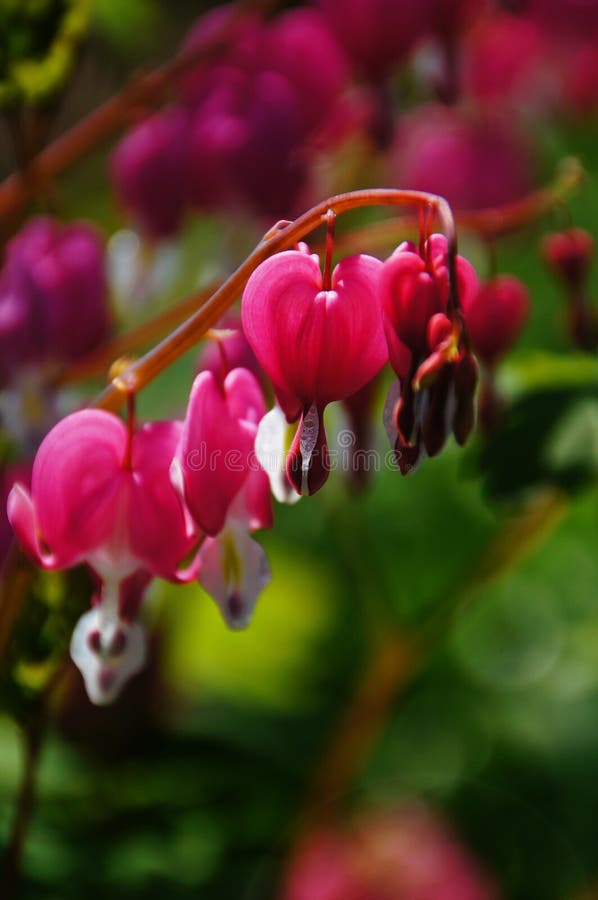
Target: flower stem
[327,277]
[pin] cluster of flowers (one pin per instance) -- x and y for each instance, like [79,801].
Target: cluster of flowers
[274,97]
[180,500]
[241,133]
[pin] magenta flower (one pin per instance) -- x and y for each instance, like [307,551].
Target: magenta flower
[436,374]
[495,316]
[215,456]
[318,343]
[102,495]
[150,172]
[53,295]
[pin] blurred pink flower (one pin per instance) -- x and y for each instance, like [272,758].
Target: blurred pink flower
[150,172]
[53,294]
[474,163]
[407,854]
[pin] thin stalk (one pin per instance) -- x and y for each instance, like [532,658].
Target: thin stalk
[373,237]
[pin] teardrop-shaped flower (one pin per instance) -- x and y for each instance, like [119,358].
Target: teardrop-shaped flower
[317,343]
[90,503]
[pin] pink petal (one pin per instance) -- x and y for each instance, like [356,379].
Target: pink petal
[217,443]
[159,532]
[21,515]
[253,505]
[77,483]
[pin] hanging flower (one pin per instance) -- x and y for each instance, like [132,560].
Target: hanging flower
[319,338]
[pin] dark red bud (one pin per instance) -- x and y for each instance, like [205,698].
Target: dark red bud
[569,253]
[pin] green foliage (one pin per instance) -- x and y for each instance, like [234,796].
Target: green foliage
[38,47]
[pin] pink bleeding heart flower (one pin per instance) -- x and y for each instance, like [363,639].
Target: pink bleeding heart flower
[101,494]
[216,452]
[318,343]
[437,374]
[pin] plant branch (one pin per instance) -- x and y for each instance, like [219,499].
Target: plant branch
[372,237]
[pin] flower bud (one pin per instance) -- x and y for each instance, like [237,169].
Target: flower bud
[569,254]
[495,316]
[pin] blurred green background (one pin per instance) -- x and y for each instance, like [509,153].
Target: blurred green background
[194,784]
